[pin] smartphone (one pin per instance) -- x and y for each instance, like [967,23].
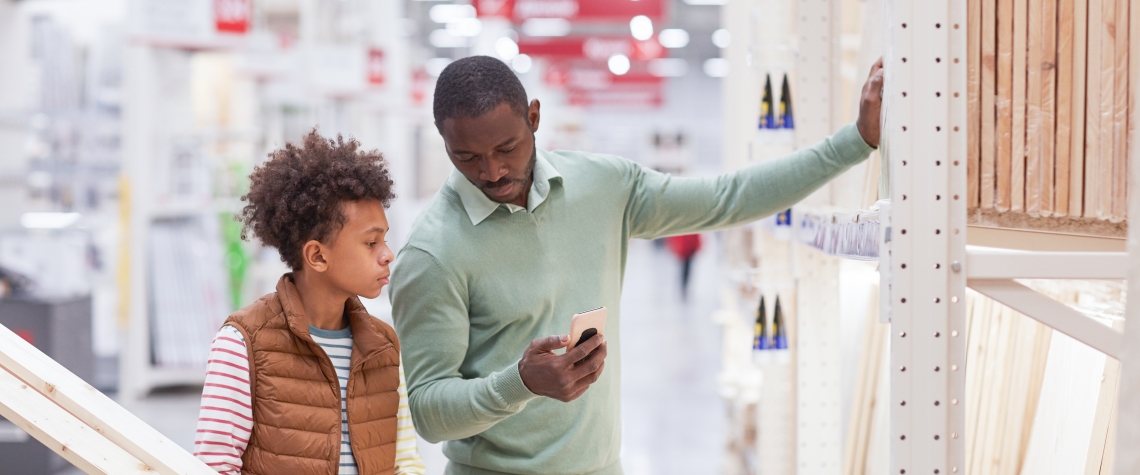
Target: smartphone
[585,325]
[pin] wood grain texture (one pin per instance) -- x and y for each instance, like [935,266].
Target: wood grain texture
[1103,189]
[1020,86]
[1048,127]
[988,107]
[1080,109]
[1064,94]
[1092,107]
[1004,102]
[1033,91]
[1117,208]
[973,100]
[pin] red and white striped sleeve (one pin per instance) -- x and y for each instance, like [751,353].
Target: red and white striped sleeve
[226,418]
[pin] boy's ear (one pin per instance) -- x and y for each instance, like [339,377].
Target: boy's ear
[312,253]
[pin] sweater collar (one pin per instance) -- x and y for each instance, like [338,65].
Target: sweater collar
[364,332]
[478,206]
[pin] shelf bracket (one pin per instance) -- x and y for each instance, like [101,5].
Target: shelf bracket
[1007,264]
[1052,313]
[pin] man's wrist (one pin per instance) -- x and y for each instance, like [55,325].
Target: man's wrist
[508,384]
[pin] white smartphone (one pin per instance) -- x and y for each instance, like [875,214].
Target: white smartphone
[587,324]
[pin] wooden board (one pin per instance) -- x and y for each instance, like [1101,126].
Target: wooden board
[1020,68]
[94,408]
[1104,409]
[1117,208]
[61,432]
[1103,189]
[1094,77]
[1079,95]
[866,386]
[1034,144]
[1133,96]
[988,108]
[973,100]
[1039,359]
[1047,129]
[1004,102]
[1064,130]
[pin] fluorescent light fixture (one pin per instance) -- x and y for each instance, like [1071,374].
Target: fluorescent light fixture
[546,27]
[48,220]
[434,67]
[448,13]
[641,27]
[721,38]
[466,27]
[444,39]
[668,67]
[717,67]
[506,48]
[522,64]
[619,64]
[673,38]
[701,2]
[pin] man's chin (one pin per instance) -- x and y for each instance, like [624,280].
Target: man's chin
[511,198]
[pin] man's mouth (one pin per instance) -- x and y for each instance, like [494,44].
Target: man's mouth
[501,188]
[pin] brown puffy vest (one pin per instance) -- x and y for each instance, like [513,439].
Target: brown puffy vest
[296,393]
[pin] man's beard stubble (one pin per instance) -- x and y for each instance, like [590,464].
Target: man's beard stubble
[527,174]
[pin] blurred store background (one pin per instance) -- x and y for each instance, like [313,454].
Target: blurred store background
[128,129]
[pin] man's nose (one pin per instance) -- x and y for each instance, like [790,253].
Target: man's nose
[493,169]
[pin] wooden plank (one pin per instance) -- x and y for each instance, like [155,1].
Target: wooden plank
[1104,410]
[1040,359]
[973,101]
[988,107]
[1047,129]
[1079,95]
[867,384]
[1103,190]
[1064,152]
[1033,122]
[1118,175]
[1004,102]
[61,432]
[94,408]
[1133,95]
[1092,107]
[1020,86]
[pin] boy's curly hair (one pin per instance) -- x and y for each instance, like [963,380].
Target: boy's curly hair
[296,195]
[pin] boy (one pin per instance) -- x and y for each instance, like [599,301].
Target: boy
[304,380]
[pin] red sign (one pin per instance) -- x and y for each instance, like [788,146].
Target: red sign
[377,70]
[232,16]
[590,83]
[586,10]
[26,335]
[646,96]
[594,48]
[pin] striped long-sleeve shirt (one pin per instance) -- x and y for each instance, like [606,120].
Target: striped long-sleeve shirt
[225,420]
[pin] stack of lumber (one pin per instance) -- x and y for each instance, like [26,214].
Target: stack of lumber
[1049,103]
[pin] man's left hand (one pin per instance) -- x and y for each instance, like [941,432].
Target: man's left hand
[870,105]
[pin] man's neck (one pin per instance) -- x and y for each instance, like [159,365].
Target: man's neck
[323,303]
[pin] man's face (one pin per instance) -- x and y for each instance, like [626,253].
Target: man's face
[495,151]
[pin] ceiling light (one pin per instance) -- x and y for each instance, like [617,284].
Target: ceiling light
[673,38]
[448,13]
[506,48]
[619,64]
[641,27]
[522,63]
[434,67]
[721,38]
[668,67]
[546,27]
[48,220]
[717,67]
[444,39]
[465,27]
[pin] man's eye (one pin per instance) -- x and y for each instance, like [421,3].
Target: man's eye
[466,159]
[508,151]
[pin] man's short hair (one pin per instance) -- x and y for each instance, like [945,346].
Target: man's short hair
[476,85]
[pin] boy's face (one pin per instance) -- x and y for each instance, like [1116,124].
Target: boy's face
[356,259]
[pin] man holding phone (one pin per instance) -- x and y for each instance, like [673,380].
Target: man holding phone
[519,240]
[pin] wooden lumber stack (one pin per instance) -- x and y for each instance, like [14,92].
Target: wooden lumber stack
[78,422]
[1050,107]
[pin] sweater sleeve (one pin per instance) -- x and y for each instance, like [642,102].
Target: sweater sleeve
[225,420]
[430,310]
[663,205]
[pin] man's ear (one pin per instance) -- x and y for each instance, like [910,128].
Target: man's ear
[533,115]
[312,256]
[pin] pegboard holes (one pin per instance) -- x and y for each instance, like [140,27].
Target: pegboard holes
[937,300]
[955,60]
[903,231]
[937,403]
[904,266]
[937,60]
[902,471]
[937,266]
[938,128]
[955,26]
[937,94]
[938,25]
[904,59]
[938,163]
[902,369]
[904,93]
[904,301]
[937,197]
[937,231]
[904,197]
[955,163]
[936,470]
[936,437]
[955,231]
[937,334]
[903,403]
[904,128]
[904,163]
[904,25]
[903,437]
[937,369]
[902,335]
[955,95]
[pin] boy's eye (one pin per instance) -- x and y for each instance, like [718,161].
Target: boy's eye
[373,243]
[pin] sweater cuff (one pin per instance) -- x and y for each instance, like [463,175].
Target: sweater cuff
[849,142]
[508,384]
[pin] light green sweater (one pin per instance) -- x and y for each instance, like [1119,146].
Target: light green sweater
[468,298]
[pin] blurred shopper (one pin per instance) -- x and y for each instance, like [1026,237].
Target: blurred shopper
[305,381]
[685,247]
[520,239]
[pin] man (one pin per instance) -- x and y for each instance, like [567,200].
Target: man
[520,239]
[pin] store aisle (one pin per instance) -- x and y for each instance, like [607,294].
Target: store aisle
[672,416]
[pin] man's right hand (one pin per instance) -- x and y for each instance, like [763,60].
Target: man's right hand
[563,377]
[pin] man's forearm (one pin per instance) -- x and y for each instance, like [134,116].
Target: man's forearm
[455,408]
